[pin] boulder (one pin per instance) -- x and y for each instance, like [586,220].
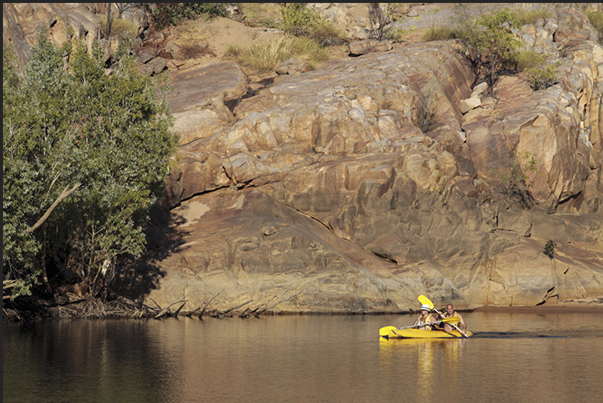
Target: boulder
[199,96]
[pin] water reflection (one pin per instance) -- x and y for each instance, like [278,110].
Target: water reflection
[518,357]
[427,355]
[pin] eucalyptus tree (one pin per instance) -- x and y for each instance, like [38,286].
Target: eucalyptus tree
[85,155]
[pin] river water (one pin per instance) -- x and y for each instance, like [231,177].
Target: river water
[513,357]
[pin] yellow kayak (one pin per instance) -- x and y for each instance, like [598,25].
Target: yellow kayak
[391,332]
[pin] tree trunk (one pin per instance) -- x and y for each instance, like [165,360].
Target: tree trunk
[108,30]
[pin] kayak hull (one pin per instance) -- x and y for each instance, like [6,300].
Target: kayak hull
[393,333]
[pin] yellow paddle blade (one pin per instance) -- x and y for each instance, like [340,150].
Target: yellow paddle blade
[452,319]
[424,300]
[384,331]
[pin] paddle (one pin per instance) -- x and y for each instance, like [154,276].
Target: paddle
[384,331]
[424,300]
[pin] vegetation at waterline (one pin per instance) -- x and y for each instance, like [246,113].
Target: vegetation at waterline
[85,155]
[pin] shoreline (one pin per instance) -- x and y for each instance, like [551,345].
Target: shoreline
[37,312]
[574,307]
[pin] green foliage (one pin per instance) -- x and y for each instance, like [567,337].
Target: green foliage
[298,20]
[166,14]
[67,122]
[543,77]
[549,249]
[489,40]
[517,173]
[539,75]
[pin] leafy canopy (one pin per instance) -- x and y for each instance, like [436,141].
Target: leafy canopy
[67,122]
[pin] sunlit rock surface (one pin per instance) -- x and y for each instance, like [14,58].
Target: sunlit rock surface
[358,186]
[362,185]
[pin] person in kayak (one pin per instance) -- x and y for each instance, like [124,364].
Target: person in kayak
[450,312]
[426,318]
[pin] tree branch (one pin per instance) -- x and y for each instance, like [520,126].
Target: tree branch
[61,197]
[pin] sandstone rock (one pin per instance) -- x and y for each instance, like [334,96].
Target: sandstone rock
[198,98]
[469,104]
[360,185]
[293,66]
[368,46]
[21,21]
[146,55]
[155,66]
[326,184]
[479,89]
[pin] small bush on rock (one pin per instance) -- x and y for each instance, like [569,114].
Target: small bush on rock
[298,20]
[166,14]
[541,78]
[549,249]
[489,40]
[119,27]
[525,59]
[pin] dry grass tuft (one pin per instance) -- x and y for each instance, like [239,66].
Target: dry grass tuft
[123,28]
[531,16]
[266,56]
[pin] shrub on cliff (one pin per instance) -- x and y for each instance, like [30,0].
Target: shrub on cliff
[166,14]
[543,77]
[549,249]
[85,154]
[489,40]
[297,20]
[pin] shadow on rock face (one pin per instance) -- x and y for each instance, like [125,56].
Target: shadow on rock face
[137,277]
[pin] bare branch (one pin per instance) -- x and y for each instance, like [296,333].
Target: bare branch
[62,196]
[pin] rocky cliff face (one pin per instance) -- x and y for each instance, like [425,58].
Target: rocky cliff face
[358,186]
[21,22]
